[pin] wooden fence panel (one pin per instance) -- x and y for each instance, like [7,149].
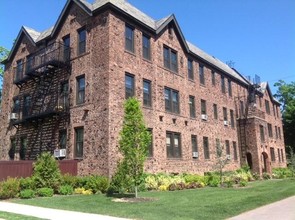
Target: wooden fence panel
[25,168]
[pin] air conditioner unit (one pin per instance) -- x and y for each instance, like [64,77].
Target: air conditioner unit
[60,152]
[225,123]
[204,117]
[13,116]
[228,157]
[195,154]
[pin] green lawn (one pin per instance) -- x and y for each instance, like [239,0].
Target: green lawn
[10,216]
[206,203]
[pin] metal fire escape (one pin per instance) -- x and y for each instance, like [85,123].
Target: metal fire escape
[43,102]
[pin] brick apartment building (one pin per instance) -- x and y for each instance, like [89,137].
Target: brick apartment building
[65,87]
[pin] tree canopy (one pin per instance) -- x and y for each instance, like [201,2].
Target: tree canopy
[3,55]
[286,95]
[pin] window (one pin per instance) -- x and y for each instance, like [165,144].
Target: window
[206,148]
[29,63]
[215,111]
[232,119]
[222,84]
[227,147]
[282,155]
[67,49]
[81,41]
[260,102]
[27,105]
[274,110]
[80,99]
[190,69]
[64,95]
[194,141]
[242,109]
[224,110]
[23,148]
[235,150]
[272,154]
[16,105]
[269,128]
[201,74]
[279,155]
[261,128]
[147,93]
[276,130]
[170,59]
[192,108]
[277,111]
[129,85]
[129,38]
[229,88]
[213,77]
[150,147]
[171,100]
[218,148]
[19,70]
[79,139]
[267,109]
[173,145]
[146,47]
[62,139]
[279,130]
[203,107]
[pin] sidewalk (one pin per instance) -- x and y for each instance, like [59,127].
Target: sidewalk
[284,209]
[52,214]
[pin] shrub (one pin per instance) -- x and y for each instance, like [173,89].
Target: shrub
[190,178]
[27,194]
[266,176]
[97,184]
[9,188]
[79,190]
[68,179]
[26,183]
[66,190]
[228,181]
[172,187]
[256,176]
[87,192]
[213,179]
[163,187]
[151,182]
[46,172]
[45,192]
[243,183]
[281,173]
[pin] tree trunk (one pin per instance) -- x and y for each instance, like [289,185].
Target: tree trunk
[135,191]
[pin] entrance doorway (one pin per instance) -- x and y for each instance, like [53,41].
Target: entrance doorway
[249,160]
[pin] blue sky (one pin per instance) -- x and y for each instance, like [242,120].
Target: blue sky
[258,36]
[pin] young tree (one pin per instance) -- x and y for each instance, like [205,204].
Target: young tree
[221,160]
[133,144]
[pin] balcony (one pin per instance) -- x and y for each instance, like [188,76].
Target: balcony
[50,58]
[254,112]
[38,109]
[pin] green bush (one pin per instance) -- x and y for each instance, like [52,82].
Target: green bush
[27,194]
[192,178]
[9,188]
[97,184]
[212,179]
[66,190]
[256,176]
[45,192]
[281,173]
[73,181]
[228,181]
[243,183]
[26,183]
[46,172]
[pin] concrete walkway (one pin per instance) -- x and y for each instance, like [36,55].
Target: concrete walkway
[53,214]
[281,210]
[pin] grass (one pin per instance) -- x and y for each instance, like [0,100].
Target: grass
[206,203]
[11,216]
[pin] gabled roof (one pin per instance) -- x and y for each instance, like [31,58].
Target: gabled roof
[265,87]
[127,9]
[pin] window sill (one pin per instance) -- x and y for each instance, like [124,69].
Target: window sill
[174,158]
[80,55]
[147,107]
[173,113]
[130,52]
[78,158]
[147,60]
[191,80]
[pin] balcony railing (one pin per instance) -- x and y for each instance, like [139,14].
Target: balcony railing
[29,110]
[55,55]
